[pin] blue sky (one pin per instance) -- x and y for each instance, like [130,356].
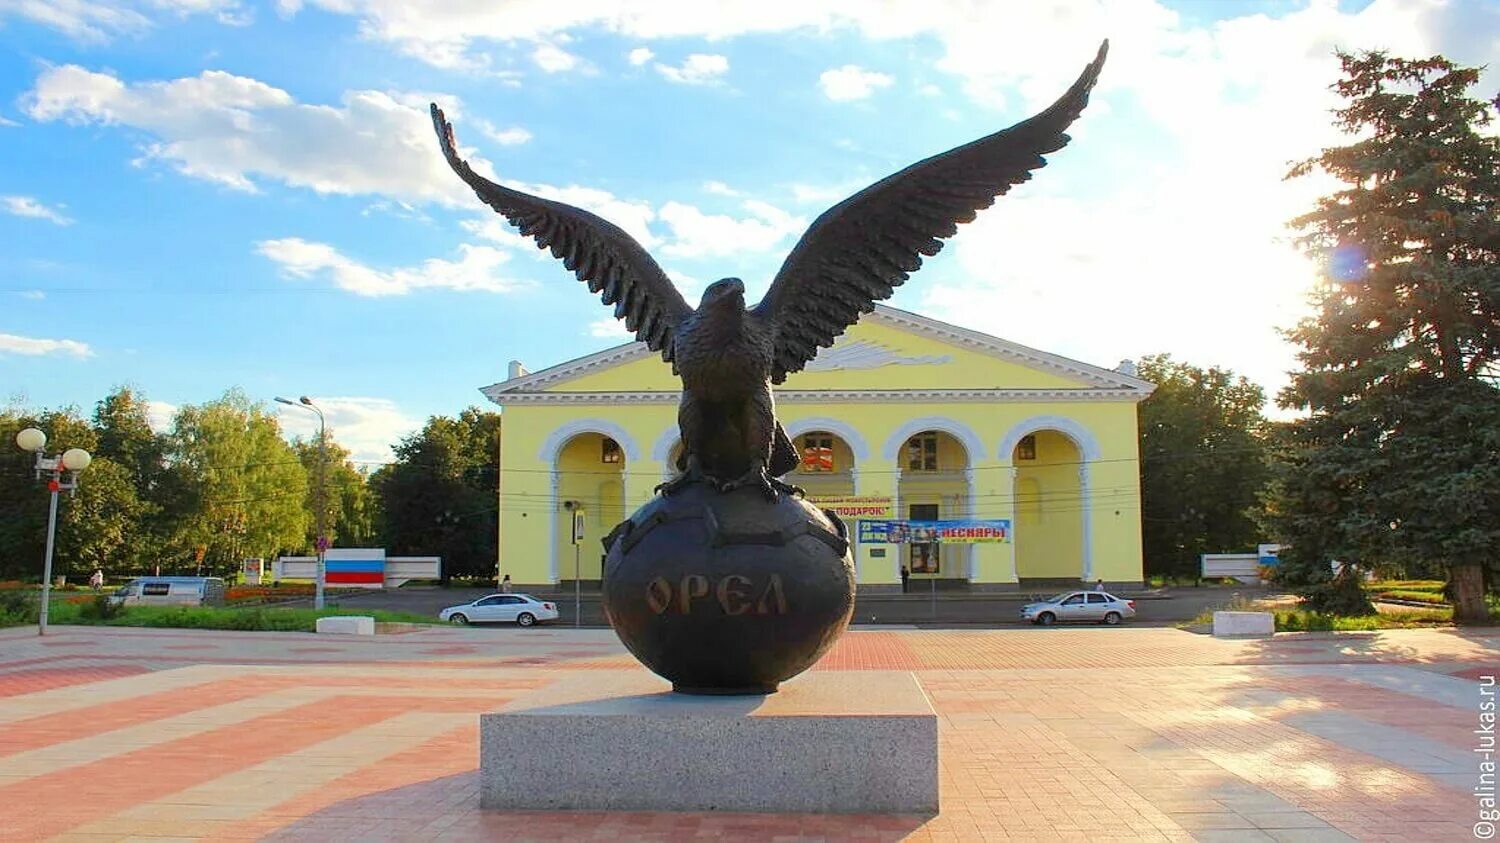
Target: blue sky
[200,194]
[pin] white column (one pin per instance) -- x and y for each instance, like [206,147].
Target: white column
[1015,550]
[552,504]
[1087,519]
[853,527]
[972,550]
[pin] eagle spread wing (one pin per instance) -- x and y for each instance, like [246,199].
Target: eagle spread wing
[610,261]
[858,251]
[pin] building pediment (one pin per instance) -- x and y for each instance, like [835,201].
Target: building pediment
[890,355]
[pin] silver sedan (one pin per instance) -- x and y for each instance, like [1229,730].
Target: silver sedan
[1072,606]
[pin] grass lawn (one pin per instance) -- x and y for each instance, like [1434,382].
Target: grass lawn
[1292,619]
[210,617]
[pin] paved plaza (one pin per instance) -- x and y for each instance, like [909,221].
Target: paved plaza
[1046,734]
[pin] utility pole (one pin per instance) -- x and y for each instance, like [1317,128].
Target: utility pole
[72,461]
[322,494]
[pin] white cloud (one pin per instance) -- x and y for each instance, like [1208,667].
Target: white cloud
[696,69]
[852,82]
[476,269]
[160,415]
[719,188]
[640,55]
[35,347]
[97,21]
[514,136]
[696,234]
[368,427]
[496,230]
[554,59]
[1207,295]
[610,328]
[34,295]
[632,215]
[84,20]
[234,130]
[26,206]
[828,193]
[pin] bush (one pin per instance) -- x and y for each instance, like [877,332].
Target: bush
[100,608]
[1342,595]
[18,607]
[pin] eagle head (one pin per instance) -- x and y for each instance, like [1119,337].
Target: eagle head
[725,290]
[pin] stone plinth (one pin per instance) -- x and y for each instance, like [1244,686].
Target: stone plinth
[828,742]
[1238,624]
[347,625]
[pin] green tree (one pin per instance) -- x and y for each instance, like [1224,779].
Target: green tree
[242,487]
[439,496]
[126,439]
[351,505]
[100,522]
[1203,464]
[1395,462]
[23,498]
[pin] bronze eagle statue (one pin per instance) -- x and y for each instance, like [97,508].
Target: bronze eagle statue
[852,256]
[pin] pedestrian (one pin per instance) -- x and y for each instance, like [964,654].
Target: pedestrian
[1099,586]
[905,575]
[505,584]
[96,581]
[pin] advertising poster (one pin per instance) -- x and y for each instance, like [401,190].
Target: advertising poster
[854,507]
[956,531]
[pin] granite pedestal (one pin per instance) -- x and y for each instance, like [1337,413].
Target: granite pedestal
[828,742]
[1243,624]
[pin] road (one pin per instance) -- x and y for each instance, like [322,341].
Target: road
[1156,608]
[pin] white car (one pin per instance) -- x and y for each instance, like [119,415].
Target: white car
[500,608]
[1095,606]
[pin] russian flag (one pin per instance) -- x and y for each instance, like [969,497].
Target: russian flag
[354,571]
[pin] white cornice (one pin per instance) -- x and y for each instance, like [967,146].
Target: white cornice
[840,396]
[1106,384]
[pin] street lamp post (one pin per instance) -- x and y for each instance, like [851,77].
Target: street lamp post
[72,461]
[322,542]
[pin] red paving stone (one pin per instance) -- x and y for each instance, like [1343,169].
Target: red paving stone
[116,783]
[869,650]
[1139,734]
[30,681]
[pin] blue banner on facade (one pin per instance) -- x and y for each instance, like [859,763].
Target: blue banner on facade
[942,532]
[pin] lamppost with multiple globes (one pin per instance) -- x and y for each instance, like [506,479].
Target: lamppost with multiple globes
[61,473]
[322,542]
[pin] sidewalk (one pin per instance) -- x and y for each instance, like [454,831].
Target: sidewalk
[1055,734]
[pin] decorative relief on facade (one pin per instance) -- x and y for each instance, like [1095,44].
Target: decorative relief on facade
[867,354]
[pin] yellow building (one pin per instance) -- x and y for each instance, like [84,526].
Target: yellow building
[925,419]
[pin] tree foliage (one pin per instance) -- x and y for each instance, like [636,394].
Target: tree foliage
[439,496]
[244,486]
[351,506]
[1396,462]
[23,499]
[1203,464]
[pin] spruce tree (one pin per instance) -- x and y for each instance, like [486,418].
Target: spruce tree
[1396,463]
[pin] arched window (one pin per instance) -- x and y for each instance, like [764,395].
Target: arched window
[816,451]
[922,452]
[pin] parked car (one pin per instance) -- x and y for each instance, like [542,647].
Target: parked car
[1072,606]
[499,608]
[171,591]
